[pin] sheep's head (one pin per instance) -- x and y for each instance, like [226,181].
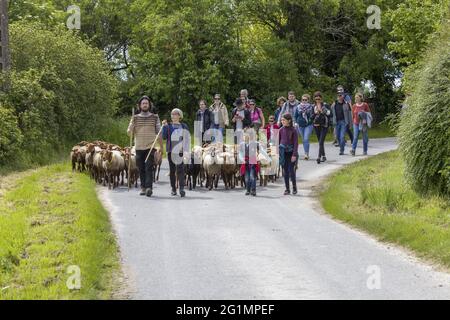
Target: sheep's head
[107,156]
[90,148]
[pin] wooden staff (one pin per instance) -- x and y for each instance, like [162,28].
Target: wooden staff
[129,159]
[153,145]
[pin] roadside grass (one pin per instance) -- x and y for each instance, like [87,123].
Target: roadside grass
[374,196]
[51,219]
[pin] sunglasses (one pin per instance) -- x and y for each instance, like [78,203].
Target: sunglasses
[305,100]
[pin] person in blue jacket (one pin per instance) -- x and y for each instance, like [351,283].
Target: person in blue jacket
[178,139]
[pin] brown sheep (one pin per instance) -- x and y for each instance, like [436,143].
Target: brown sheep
[74,157]
[134,171]
[114,166]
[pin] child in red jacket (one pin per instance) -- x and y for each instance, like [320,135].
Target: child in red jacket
[272,129]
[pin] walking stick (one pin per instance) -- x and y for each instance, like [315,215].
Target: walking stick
[129,159]
[153,145]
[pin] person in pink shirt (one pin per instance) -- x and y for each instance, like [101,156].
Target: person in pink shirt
[361,113]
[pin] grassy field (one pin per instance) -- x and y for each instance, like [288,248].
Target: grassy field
[373,195]
[51,219]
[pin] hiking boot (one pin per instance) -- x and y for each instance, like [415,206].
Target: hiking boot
[353,153]
[142,193]
[148,192]
[287,192]
[182,193]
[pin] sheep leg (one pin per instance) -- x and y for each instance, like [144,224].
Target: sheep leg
[216,182]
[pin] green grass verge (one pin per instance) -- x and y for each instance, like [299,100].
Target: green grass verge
[51,219]
[373,195]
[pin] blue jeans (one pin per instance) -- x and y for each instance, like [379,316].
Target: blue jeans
[289,171]
[356,138]
[305,132]
[341,128]
[250,177]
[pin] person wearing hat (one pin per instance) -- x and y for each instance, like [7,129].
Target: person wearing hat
[178,139]
[144,127]
[240,116]
[342,119]
[219,113]
[348,129]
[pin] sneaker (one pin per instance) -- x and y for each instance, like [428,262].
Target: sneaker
[365,153]
[341,153]
[324,159]
[287,192]
[254,193]
[148,192]
[182,193]
[142,192]
[295,191]
[247,193]
[306,157]
[353,153]
[318,161]
[174,193]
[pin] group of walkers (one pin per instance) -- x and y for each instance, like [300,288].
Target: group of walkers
[291,119]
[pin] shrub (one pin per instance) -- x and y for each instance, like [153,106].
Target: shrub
[10,135]
[424,129]
[61,91]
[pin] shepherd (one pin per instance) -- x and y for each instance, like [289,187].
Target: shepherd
[145,127]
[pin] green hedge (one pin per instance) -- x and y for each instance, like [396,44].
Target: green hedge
[61,92]
[425,125]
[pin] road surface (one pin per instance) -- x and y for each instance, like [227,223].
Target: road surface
[224,245]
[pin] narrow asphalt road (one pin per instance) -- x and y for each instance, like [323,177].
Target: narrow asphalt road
[224,245]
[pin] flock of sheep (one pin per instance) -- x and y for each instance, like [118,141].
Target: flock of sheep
[110,165]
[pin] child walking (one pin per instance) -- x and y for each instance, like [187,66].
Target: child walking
[289,152]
